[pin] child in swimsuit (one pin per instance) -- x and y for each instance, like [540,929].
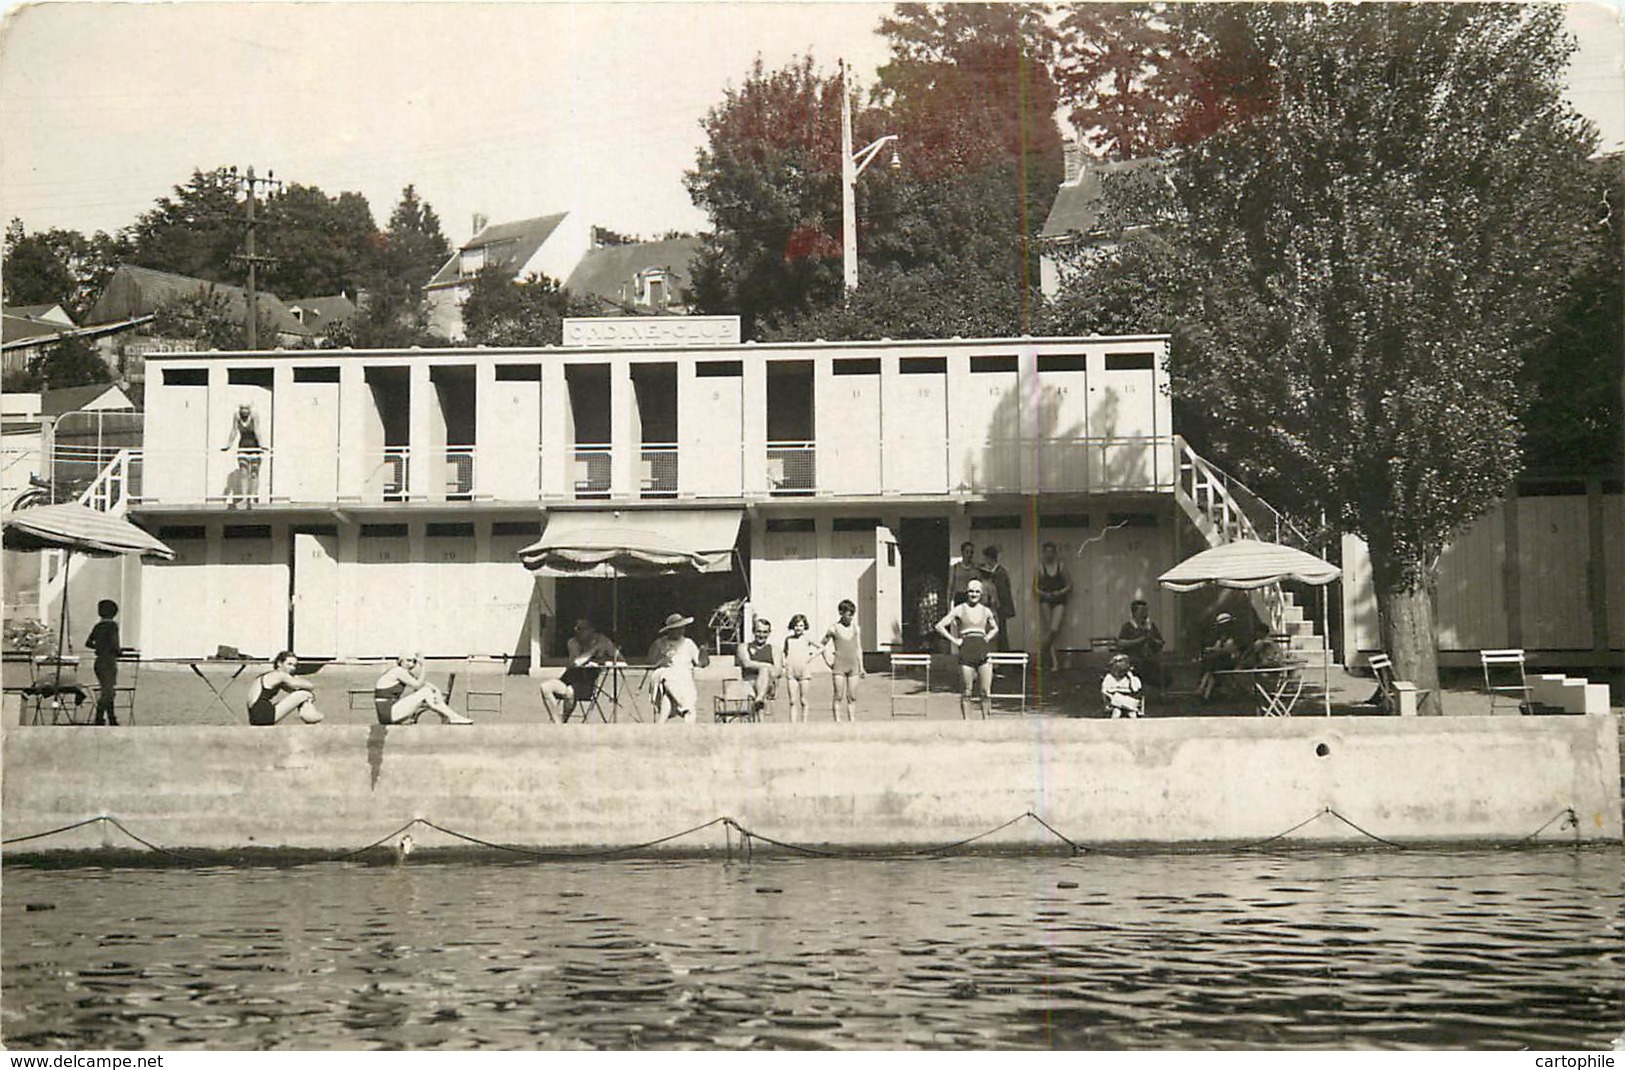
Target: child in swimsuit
[842,650]
[275,694]
[799,650]
[975,627]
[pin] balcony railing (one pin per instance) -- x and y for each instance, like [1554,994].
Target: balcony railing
[459,484]
[592,471]
[792,468]
[388,475]
[659,475]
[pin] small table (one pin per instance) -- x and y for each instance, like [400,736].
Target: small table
[196,665]
[1275,687]
[609,688]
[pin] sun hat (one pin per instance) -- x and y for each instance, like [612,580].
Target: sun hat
[676,620]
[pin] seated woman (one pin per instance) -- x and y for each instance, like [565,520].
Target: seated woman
[671,682]
[759,664]
[403,692]
[274,695]
[589,651]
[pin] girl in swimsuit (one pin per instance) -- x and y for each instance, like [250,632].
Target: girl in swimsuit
[799,650]
[976,626]
[403,692]
[1053,587]
[842,650]
[275,694]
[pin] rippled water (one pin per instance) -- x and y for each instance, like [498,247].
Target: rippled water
[1305,949]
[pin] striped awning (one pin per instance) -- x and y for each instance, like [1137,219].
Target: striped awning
[606,544]
[71,526]
[1245,565]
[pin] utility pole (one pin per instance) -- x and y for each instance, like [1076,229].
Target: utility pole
[851,167]
[252,325]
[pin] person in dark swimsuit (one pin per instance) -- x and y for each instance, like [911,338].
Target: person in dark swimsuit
[245,435]
[403,692]
[1053,587]
[276,694]
[759,664]
[589,651]
[976,627]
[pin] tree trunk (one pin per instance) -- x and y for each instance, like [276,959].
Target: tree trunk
[1408,633]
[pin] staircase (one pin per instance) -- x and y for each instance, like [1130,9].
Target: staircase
[1224,510]
[110,492]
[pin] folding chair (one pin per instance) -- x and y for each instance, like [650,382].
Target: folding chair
[52,681]
[734,704]
[1501,665]
[479,690]
[922,696]
[129,669]
[1019,661]
[1388,689]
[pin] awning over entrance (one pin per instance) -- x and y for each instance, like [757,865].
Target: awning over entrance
[631,543]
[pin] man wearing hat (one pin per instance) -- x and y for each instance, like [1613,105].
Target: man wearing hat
[1120,690]
[671,682]
[1220,652]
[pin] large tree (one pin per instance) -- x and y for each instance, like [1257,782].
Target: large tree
[323,245]
[1358,263]
[57,267]
[501,311]
[195,231]
[393,310]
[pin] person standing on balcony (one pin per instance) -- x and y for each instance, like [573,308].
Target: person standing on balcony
[1053,587]
[996,582]
[245,435]
[962,573]
[975,628]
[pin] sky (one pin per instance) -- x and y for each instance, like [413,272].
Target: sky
[510,110]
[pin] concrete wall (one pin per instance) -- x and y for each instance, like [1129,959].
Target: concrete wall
[1184,781]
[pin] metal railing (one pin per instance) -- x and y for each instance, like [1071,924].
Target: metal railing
[459,481]
[387,476]
[659,476]
[792,468]
[593,468]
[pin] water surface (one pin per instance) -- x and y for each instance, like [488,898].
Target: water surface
[1381,949]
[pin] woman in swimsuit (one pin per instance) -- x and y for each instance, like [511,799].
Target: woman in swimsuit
[799,650]
[275,694]
[976,627]
[1053,587]
[403,692]
[842,650]
[759,664]
[245,435]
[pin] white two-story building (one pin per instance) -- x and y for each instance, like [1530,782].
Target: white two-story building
[397,488]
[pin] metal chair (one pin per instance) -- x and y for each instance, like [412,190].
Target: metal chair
[479,693]
[129,670]
[908,662]
[52,680]
[1501,665]
[734,704]
[1017,659]
[1388,689]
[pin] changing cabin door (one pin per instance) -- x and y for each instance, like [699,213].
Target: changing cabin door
[315,594]
[888,624]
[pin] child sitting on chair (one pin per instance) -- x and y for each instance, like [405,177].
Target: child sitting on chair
[1120,689]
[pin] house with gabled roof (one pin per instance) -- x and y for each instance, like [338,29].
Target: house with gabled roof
[550,245]
[1074,216]
[650,277]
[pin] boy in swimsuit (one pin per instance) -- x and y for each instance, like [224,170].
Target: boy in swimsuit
[975,628]
[403,692]
[842,650]
[799,650]
[275,694]
[104,640]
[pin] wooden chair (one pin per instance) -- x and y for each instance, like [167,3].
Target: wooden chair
[1388,689]
[1501,667]
[1018,661]
[734,704]
[482,689]
[908,663]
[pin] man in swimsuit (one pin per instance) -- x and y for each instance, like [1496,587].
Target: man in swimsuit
[759,664]
[976,626]
[276,694]
[1053,587]
[589,651]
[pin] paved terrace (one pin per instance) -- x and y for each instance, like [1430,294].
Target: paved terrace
[171,694]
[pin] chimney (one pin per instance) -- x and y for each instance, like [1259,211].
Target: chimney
[480,221]
[1072,153]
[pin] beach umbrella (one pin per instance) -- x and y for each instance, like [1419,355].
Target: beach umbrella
[1246,565]
[75,529]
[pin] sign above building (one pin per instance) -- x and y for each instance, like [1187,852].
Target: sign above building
[610,332]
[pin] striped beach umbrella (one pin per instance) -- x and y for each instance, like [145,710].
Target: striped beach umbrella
[1246,565]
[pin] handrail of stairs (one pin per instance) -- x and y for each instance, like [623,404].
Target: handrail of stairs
[109,491]
[1210,490]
